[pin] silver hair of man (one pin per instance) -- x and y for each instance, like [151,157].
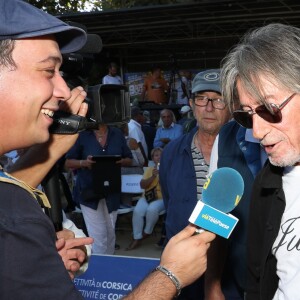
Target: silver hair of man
[273,51]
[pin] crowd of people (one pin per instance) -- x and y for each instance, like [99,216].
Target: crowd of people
[246,118]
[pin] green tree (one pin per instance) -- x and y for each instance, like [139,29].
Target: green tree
[69,6]
[66,6]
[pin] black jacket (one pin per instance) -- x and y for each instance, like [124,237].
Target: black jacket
[266,209]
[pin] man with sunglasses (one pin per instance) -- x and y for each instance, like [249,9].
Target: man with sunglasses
[261,75]
[185,160]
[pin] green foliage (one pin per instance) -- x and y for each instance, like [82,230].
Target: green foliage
[68,6]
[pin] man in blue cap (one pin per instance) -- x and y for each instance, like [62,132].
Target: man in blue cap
[185,161]
[31,90]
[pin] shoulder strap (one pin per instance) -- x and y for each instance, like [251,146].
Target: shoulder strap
[37,194]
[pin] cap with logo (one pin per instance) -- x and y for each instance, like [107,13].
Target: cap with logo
[208,80]
[19,20]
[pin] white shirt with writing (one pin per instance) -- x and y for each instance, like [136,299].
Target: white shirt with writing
[287,244]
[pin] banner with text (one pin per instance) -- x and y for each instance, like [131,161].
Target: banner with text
[113,277]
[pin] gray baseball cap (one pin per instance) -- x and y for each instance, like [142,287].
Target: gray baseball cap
[208,80]
[19,20]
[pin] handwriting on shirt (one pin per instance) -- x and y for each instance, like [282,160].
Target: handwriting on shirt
[289,238]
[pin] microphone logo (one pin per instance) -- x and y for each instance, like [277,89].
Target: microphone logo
[221,193]
[237,199]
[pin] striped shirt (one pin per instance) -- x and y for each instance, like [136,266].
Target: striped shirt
[201,167]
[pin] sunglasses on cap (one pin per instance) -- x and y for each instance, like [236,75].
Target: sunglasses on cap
[271,115]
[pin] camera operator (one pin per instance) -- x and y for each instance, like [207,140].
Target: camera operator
[31,89]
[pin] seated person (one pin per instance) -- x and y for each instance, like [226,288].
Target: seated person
[138,160]
[150,205]
[168,131]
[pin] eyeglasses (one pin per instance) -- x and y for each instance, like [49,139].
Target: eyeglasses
[272,115]
[203,101]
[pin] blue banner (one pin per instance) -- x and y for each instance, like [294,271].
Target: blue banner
[113,277]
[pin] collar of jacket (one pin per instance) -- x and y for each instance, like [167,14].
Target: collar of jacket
[185,143]
[271,176]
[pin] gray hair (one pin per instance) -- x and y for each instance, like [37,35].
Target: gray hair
[6,49]
[170,112]
[272,50]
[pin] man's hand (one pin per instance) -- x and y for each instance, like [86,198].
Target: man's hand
[165,140]
[74,105]
[185,257]
[194,248]
[72,250]
[133,144]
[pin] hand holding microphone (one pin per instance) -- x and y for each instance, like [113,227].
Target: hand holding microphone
[221,193]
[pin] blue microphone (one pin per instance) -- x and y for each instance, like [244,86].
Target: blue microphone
[221,193]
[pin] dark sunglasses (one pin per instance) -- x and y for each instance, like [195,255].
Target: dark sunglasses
[272,115]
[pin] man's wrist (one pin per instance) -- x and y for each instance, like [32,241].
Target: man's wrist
[172,277]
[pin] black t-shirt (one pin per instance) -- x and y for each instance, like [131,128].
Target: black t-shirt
[30,266]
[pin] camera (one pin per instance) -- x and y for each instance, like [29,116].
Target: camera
[108,104]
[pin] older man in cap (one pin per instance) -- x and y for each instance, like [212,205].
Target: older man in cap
[185,161]
[31,90]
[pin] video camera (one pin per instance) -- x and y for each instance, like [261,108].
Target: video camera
[108,104]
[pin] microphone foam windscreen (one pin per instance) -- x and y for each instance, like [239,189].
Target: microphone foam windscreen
[223,189]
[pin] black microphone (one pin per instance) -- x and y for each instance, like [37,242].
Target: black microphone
[66,123]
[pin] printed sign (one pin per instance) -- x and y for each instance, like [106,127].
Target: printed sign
[113,277]
[213,220]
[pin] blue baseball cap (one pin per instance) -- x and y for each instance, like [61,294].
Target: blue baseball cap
[208,80]
[19,20]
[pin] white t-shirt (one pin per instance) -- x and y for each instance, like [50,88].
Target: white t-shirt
[135,131]
[287,247]
[112,79]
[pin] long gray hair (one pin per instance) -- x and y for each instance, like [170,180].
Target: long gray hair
[272,50]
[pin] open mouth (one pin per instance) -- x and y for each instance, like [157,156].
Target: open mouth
[268,148]
[48,112]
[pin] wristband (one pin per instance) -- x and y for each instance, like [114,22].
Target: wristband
[172,277]
[80,163]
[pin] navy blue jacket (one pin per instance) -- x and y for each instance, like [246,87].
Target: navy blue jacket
[178,183]
[31,267]
[243,156]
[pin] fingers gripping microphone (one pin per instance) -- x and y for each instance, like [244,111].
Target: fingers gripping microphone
[221,193]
